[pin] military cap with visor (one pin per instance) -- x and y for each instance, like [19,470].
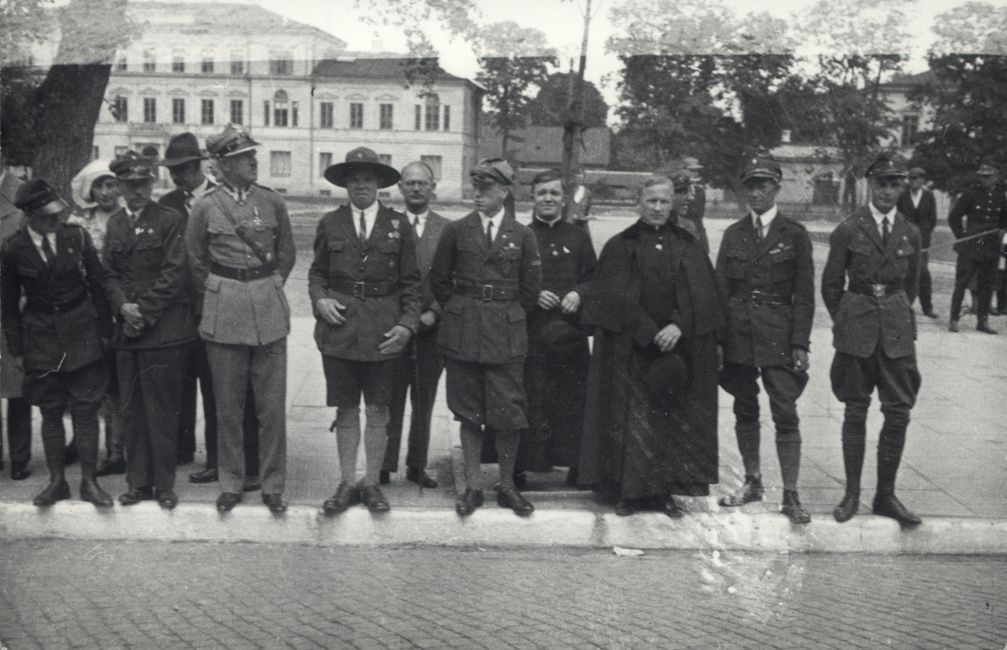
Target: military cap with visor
[761,167]
[886,166]
[496,170]
[986,168]
[363,159]
[132,166]
[36,197]
[234,140]
[917,172]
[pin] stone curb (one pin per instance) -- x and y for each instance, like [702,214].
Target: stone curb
[496,528]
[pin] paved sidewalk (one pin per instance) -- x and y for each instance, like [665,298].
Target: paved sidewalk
[954,472]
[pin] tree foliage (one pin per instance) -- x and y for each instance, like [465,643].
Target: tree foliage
[549,108]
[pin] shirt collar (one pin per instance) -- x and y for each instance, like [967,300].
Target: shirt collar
[421,216]
[496,218]
[766,217]
[36,237]
[880,216]
[370,211]
[238,195]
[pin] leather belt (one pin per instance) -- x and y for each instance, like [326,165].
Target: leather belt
[488,292]
[764,298]
[45,307]
[876,290]
[361,289]
[243,274]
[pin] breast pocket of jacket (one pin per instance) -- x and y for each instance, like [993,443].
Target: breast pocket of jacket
[149,252]
[339,262]
[903,252]
[390,247]
[782,264]
[735,260]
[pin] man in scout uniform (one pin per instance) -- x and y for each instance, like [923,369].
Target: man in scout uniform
[918,205]
[766,270]
[486,274]
[558,353]
[241,251]
[57,338]
[184,161]
[868,286]
[418,372]
[149,291]
[365,289]
[982,208]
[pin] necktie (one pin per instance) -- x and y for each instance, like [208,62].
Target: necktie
[758,228]
[50,256]
[188,201]
[416,226]
[884,231]
[363,227]
[489,234]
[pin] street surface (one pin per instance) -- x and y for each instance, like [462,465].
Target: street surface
[57,594]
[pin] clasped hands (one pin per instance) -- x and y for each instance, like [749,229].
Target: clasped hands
[569,304]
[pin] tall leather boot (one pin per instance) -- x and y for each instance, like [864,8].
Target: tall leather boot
[853,463]
[751,490]
[54,443]
[87,446]
[886,504]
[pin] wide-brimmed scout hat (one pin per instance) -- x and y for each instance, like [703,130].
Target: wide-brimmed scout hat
[232,141]
[182,148]
[132,166]
[36,197]
[366,159]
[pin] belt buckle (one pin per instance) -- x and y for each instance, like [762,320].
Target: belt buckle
[358,289]
[878,290]
[487,292]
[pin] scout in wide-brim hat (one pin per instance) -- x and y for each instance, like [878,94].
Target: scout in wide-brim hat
[182,148]
[232,141]
[364,159]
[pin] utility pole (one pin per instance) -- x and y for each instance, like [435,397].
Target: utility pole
[572,130]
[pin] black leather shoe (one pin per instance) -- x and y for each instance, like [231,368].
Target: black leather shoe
[511,498]
[52,493]
[136,495]
[931,314]
[952,326]
[167,500]
[793,509]
[275,503]
[420,478]
[985,328]
[251,484]
[91,492]
[110,466]
[346,495]
[19,471]
[673,508]
[208,475]
[468,501]
[751,490]
[847,507]
[373,498]
[227,500]
[625,508]
[888,505]
[384,478]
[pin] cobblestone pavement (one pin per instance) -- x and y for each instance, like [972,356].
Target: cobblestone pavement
[57,594]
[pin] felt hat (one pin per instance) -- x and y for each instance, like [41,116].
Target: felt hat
[668,375]
[182,148]
[366,159]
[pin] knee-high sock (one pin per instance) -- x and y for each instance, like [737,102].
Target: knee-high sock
[375,442]
[347,442]
[747,434]
[507,444]
[788,450]
[472,449]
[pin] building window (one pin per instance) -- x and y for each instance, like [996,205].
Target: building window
[387,113]
[279,163]
[356,115]
[434,162]
[121,63]
[178,61]
[910,129]
[178,111]
[149,109]
[121,151]
[206,111]
[281,64]
[206,67]
[294,114]
[237,111]
[237,62]
[95,153]
[432,112]
[447,118]
[385,159]
[149,61]
[419,117]
[281,112]
[326,115]
[265,113]
[120,109]
[324,161]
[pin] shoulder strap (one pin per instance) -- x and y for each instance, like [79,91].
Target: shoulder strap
[241,231]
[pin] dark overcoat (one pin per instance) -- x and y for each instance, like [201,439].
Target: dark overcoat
[923,216]
[979,210]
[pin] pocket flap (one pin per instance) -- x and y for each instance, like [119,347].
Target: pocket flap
[737,254]
[212,283]
[148,243]
[515,314]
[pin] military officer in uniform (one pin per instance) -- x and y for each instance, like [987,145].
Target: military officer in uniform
[486,275]
[982,208]
[365,289]
[149,291]
[419,371]
[868,286]
[766,270]
[918,205]
[57,338]
[241,251]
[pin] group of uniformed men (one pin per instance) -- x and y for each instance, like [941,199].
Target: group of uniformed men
[193,286]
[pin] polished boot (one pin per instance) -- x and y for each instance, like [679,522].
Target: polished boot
[90,491]
[55,491]
[275,503]
[135,495]
[19,470]
[227,500]
[847,506]
[509,497]
[886,504]
[751,490]
[853,462]
[984,327]
[793,509]
[55,459]
[208,475]
[673,508]
[372,497]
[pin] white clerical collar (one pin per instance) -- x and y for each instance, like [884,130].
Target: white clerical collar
[766,217]
[552,223]
[880,216]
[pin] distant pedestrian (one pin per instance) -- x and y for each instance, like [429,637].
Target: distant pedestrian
[580,198]
[695,208]
[918,205]
[868,285]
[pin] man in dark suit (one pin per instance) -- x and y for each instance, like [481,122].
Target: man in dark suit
[184,161]
[57,338]
[146,258]
[486,275]
[979,209]
[767,273]
[365,289]
[917,204]
[868,286]
[419,371]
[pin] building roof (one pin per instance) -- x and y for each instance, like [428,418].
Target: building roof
[402,69]
[543,145]
[911,80]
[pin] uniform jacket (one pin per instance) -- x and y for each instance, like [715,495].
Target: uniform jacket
[68,339]
[11,376]
[147,265]
[762,332]
[856,256]
[978,210]
[923,216]
[485,331]
[236,312]
[426,246]
[388,256]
